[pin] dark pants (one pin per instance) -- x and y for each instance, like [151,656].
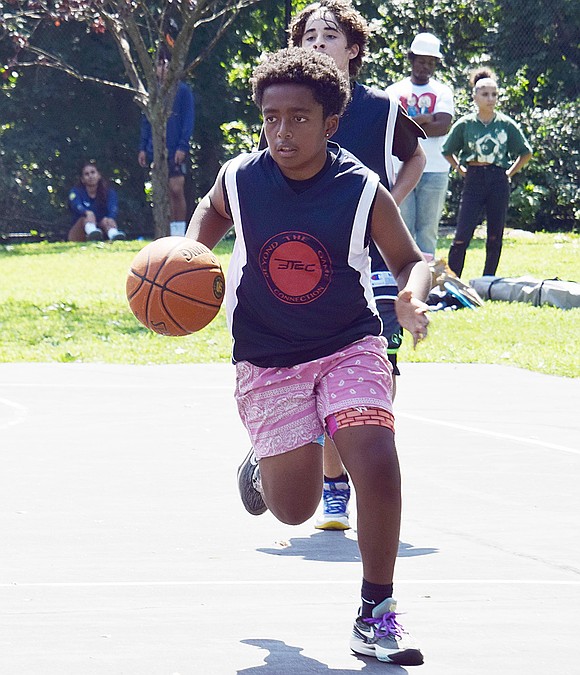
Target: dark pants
[486,189]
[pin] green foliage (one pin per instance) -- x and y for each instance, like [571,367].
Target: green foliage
[487,335]
[238,138]
[66,302]
[465,28]
[50,121]
[551,187]
[545,38]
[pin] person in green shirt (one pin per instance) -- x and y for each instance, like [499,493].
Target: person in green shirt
[487,148]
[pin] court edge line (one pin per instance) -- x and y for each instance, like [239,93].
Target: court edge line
[485,432]
[419,418]
[278,582]
[20,414]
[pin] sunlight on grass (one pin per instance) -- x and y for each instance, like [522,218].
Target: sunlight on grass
[66,302]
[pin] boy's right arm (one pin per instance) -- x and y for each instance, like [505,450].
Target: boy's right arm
[210,220]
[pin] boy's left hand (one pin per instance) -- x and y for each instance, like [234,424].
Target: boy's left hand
[412,315]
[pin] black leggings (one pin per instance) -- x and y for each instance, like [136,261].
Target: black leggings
[486,189]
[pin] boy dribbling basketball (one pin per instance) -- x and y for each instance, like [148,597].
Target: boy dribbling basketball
[306,334]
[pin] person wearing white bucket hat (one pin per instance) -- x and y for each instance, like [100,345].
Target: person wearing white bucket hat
[426,44]
[430,103]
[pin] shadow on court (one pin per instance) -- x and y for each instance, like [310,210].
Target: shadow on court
[333,547]
[282,658]
[126,551]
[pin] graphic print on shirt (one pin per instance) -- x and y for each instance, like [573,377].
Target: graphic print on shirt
[424,104]
[490,148]
[296,266]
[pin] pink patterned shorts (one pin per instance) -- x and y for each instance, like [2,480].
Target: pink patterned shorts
[286,408]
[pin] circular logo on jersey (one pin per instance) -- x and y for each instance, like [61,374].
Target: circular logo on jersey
[296,267]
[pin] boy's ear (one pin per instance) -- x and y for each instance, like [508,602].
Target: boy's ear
[353,51]
[331,125]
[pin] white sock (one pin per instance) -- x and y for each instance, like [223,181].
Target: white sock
[177,228]
[90,227]
[112,232]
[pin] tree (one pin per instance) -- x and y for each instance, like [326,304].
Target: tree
[140,30]
[545,41]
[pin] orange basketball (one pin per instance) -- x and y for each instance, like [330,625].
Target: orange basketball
[175,286]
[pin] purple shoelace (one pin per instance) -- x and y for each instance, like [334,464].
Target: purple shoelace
[386,625]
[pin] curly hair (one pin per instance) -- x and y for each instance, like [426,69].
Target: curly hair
[351,22]
[295,65]
[481,74]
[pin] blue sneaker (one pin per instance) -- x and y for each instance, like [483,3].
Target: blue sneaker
[335,498]
[384,638]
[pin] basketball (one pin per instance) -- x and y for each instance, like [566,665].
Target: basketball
[175,286]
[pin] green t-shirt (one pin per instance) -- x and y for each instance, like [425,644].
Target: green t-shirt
[498,142]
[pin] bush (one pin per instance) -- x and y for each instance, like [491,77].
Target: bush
[545,196]
[549,197]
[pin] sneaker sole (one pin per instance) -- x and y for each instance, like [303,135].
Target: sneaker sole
[251,499]
[340,524]
[405,657]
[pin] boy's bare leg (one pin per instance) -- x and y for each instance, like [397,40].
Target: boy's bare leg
[177,202]
[370,457]
[336,495]
[291,483]
[332,463]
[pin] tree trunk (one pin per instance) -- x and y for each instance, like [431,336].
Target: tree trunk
[160,186]
[158,116]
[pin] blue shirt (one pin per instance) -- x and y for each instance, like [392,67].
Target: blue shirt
[79,203]
[179,125]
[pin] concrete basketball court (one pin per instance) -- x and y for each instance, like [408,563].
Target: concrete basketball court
[125,548]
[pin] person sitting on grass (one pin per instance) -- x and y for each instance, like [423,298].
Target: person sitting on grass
[94,207]
[307,343]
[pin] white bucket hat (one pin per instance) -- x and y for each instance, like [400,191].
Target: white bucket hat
[426,44]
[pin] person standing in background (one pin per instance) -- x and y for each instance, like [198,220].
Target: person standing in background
[486,148]
[179,130]
[430,103]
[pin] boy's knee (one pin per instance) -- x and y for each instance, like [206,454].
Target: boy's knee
[293,513]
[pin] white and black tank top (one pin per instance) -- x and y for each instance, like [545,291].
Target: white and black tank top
[298,285]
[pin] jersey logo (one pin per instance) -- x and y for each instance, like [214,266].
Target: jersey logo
[296,267]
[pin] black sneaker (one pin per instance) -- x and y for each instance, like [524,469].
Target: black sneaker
[120,236]
[384,638]
[250,485]
[95,235]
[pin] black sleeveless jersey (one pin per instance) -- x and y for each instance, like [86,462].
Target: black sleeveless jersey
[298,285]
[374,127]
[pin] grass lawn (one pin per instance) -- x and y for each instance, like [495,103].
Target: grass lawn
[66,302]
